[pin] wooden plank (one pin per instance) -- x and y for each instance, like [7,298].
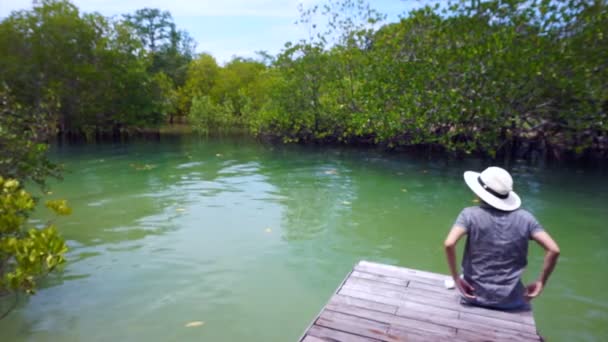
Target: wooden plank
[353,292]
[415,284]
[387,303]
[524,317]
[399,334]
[399,294]
[494,335]
[499,323]
[353,324]
[449,301]
[504,329]
[327,334]
[373,283]
[379,277]
[400,272]
[404,276]
[422,311]
[362,303]
[414,325]
[428,312]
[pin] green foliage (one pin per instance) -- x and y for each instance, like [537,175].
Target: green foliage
[26,254]
[23,142]
[233,93]
[472,77]
[91,73]
[205,116]
[200,79]
[469,76]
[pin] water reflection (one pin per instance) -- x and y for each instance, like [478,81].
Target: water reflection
[240,235]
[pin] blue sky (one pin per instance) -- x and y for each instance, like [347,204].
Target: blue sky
[226,28]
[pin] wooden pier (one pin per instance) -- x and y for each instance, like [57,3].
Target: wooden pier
[379,302]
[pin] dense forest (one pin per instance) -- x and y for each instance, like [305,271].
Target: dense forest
[495,77]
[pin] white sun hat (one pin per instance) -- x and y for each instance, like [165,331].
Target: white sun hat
[495,187]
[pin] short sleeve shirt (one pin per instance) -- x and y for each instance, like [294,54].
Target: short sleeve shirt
[496,251]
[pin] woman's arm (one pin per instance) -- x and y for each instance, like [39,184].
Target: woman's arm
[450,251]
[551,256]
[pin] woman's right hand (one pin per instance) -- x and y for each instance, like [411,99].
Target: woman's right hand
[465,288]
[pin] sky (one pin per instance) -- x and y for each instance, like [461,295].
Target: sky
[226,28]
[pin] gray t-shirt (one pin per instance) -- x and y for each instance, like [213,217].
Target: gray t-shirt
[496,252]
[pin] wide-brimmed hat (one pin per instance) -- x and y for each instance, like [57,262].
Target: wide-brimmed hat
[495,187]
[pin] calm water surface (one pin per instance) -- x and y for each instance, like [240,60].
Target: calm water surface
[252,240]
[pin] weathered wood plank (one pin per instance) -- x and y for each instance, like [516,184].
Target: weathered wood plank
[494,335]
[353,292]
[496,322]
[424,311]
[415,284]
[353,324]
[387,303]
[525,317]
[373,283]
[400,272]
[414,325]
[400,334]
[327,334]
[399,294]
[512,328]
[379,277]
[362,303]
[414,309]
[449,301]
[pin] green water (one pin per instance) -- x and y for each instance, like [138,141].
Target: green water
[253,240]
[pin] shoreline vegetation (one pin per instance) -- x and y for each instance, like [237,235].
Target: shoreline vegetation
[500,79]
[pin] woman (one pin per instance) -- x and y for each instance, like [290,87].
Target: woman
[496,250]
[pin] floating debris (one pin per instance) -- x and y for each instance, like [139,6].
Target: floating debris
[181,210]
[331,172]
[404,190]
[346,203]
[268,230]
[475,200]
[194,324]
[49,192]
[218,154]
[143,167]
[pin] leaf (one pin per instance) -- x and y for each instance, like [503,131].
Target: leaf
[194,324]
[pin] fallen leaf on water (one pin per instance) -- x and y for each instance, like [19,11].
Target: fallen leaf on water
[331,172]
[180,209]
[218,154]
[346,203]
[404,190]
[268,230]
[194,324]
[49,192]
